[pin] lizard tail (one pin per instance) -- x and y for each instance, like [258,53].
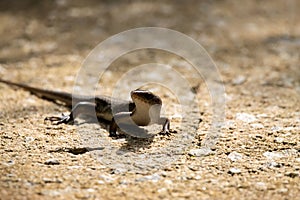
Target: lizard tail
[54,96]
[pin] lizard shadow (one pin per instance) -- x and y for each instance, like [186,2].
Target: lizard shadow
[137,138]
[89,120]
[134,144]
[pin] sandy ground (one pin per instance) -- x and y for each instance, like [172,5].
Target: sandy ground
[254,44]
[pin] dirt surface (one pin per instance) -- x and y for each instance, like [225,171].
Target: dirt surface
[256,47]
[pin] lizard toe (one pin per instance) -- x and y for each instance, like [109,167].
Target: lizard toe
[64,119]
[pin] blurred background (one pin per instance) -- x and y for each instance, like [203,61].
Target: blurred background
[252,34]
[224,28]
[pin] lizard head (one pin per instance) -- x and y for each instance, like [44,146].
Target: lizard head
[145,96]
[148,106]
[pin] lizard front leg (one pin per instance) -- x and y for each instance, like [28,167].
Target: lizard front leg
[165,122]
[86,108]
[113,128]
[123,117]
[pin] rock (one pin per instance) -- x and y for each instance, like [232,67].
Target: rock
[107,178]
[49,180]
[239,80]
[9,163]
[234,171]
[29,139]
[263,115]
[289,128]
[200,152]
[272,155]
[229,124]
[292,174]
[248,118]
[257,126]
[276,128]
[273,164]
[279,140]
[153,178]
[261,186]
[235,156]
[52,161]
[100,182]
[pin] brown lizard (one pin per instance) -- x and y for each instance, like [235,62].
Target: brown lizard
[143,110]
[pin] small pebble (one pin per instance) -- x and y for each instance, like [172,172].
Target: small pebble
[9,163]
[100,182]
[91,190]
[263,115]
[51,162]
[234,171]
[272,155]
[29,139]
[289,128]
[261,186]
[239,80]
[107,178]
[230,124]
[273,164]
[257,126]
[283,190]
[245,117]
[153,178]
[124,182]
[235,156]
[292,174]
[168,182]
[200,152]
[279,139]
[161,190]
[276,128]
[49,180]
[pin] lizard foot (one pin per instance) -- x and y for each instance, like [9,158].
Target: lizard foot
[114,135]
[167,132]
[64,119]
